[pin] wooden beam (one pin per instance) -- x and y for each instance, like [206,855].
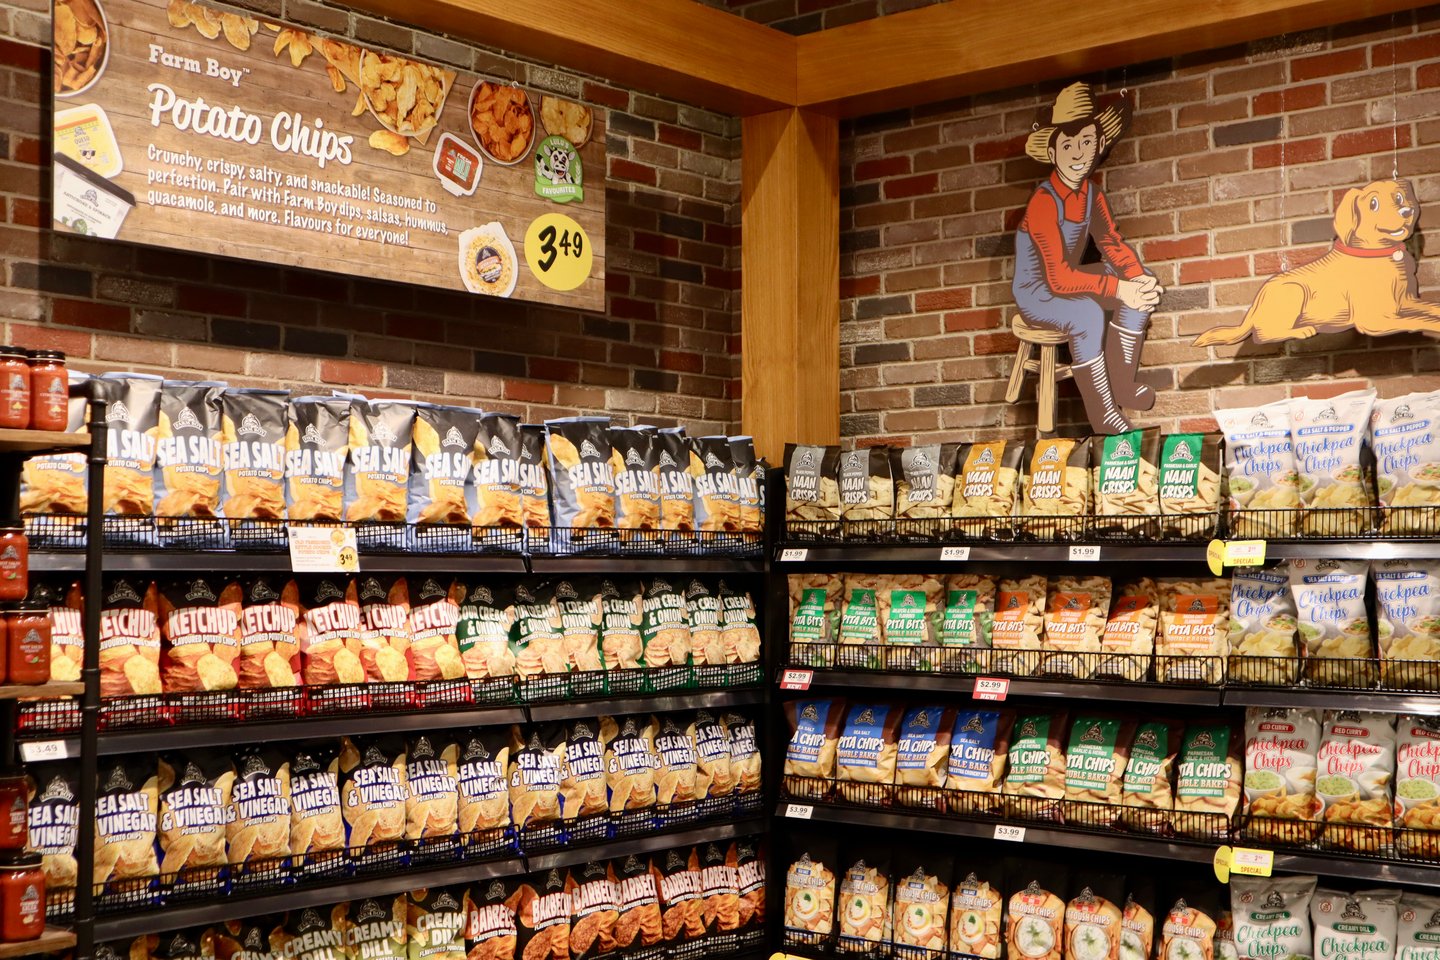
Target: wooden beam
[674,48]
[971,46]
[790,279]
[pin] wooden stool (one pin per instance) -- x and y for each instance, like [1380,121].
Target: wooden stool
[1050,372]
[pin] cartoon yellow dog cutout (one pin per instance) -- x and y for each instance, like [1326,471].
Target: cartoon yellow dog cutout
[1366,280]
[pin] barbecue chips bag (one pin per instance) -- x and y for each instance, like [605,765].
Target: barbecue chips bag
[443,460]
[635,461]
[329,632]
[253,424]
[497,497]
[188,454]
[373,793]
[490,928]
[132,424]
[594,909]
[257,831]
[195,794]
[434,622]
[584,495]
[986,484]
[129,638]
[1189,485]
[812,490]
[200,617]
[127,803]
[317,449]
[638,930]
[1261,471]
[542,909]
[317,827]
[269,624]
[677,486]
[682,902]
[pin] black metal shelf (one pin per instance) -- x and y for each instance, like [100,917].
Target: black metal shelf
[1050,688]
[650,843]
[836,556]
[662,702]
[1130,844]
[1379,701]
[639,565]
[223,561]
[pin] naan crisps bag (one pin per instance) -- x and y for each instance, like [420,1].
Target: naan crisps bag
[815,600]
[814,738]
[1128,642]
[1418,928]
[594,908]
[1355,926]
[1417,786]
[665,631]
[482,786]
[967,621]
[749,478]
[1035,782]
[200,620]
[1056,485]
[620,644]
[1261,471]
[537,756]
[924,488]
[584,494]
[1407,623]
[1075,618]
[1280,770]
[317,827]
[329,632]
[129,638]
[491,931]
[1095,763]
[132,429]
[317,449]
[863,913]
[1405,435]
[866,752]
[377,478]
[1333,621]
[717,494]
[385,636]
[1016,629]
[443,451]
[483,634]
[375,928]
[194,793]
[867,493]
[812,492]
[434,622]
[1207,780]
[1194,625]
[431,792]
[373,795]
[257,831]
[638,930]
[1126,480]
[534,478]
[1327,436]
[584,799]
[1263,627]
[127,804]
[435,924]
[253,424]
[977,909]
[922,755]
[1145,788]
[630,765]
[188,460]
[979,749]
[496,496]
[54,487]
[1272,916]
[677,487]
[1355,779]
[987,485]
[269,641]
[1189,485]
[744,758]
[635,461]
[52,821]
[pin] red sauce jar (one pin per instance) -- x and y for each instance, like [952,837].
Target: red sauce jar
[14,388]
[49,391]
[22,898]
[14,562]
[14,804]
[27,645]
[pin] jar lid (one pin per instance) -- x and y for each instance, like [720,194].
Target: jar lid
[14,352]
[12,524]
[19,861]
[47,355]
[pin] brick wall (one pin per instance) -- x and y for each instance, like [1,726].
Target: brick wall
[664,350]
[1229,173]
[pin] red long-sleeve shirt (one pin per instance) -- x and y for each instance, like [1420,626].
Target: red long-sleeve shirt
[1042,222]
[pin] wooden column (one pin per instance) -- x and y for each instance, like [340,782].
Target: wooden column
[790,276]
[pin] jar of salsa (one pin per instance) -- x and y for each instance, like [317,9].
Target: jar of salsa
[14,388]
[49,391]
[22,898]
[14,562]
[14,804]
[27,645]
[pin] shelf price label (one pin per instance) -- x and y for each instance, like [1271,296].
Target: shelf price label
[798,811]
[956,554]
[1084,553]
[323,550]
[34,751]
[1242,862]
[1234,553]
[796,679]
[1005,831]
[794,555]
[991,688]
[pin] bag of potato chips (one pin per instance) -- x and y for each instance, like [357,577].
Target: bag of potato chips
[739,634]
[867,495]
[372,795]
[579,449]
[584,800]
[129,638]
[677,487]
[537,643]
[200,618]
[491,931]
[317,448]
[482,772]
[665,630]
[54,487]
[438,514]
[252,438]
[535,482]
[714,775]
[634,459]
[317,827]
[330,632]
[630,765]
[1056,489]
[132,425]
[67,626]
[269,644]
[385,636]
[483,635]
[431,794]
[987,482]
[189,461]
[579,605]
[374,929]
[435,924]
[812,492]
[311,933]
[717,496]
[702,607]
[195,793]
[675,776]
[749,477]
[257,831]
[377,479]
[434,620]
[53,823]
[594,908]
[498,495]
[537,760]
[127,804]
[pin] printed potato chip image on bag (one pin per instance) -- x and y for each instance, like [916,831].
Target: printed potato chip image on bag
[542,909]
[579,605]
[483,633]
[584,494]
[491,931]
[53,821]
[1207,780]
[1406,444]
[967,620]
[635,462]
[431,788]
[584,799]
[66,602]
[702,609]
[129,638]
[253,424]
[247,939]
[194,794]
[1125,478]
[987,485]
[1280,773]
[483,788]
[717,495]
[1407,623]
[720,884]
[677,486]
[1327,436]
[814,738]
[1189,485]
[675,777]
[1016,629]
[535,482]
[194,943]
[665,630]
[812,492]
[739,632]
[620,643]
[200,620]
[189,461]
[443,450]
[922,903]
[1145,788]
[329,632]
[924,487]
[630,762]
[435,924]
[127,804]
[385,636]
[317,449]
[312,933]
[811,887]
[377,478]
[434,622]
[57,483]
[715,780]
[594,910]
[497,496]
[815,600]
[682,902]
[1355,780]
[375,928]
[744,757]
[1056,484]
[317,827]
[536,640]
[979,747]
[1261,471]
[867,492]
[537,758]
[257,831]
[373,795]
[750,867]
[269,625]
[132,428]
[749,478]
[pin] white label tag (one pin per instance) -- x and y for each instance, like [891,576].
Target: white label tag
[1084,553]
[991,688]
[1245,553]
[323,550]
[36,750]
[796,679]
[1004,831]
[799,811]
[958,554]
[793,554]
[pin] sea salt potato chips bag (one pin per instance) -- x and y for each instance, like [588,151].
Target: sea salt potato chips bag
[188,455]
[1405,436]
[534,477]
[923,755]
[634,459]
[56,483]
[1327,436]
[867,493]
[812,490]
[132,427]
[1189,485]
[377,480]
[1407,625]
[749,476]
[443,460]
[924,487]
[200,621]
[584,494]
[987,484]
[1057,484]
[814,739]
[1355,778]
[129,638]
[252,437]
[677,487]
[1261,470]
[1272,916]
[497,493]
[1125,479]
[1334,625]
[1280,772]
[979,748]
[1262,627]
[317,447]
[1207,781]
[717,495]
[1194,625]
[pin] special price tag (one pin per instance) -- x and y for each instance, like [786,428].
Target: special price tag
[1220,554]
[323,550]
[1242,862]
[558,251]
[991,688]
[796,679]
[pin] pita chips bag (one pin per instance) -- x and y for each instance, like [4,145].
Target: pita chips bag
[195,793]
[497,495]
[253,424]
[579,449]
[483,788]
[1207,779]
[257,831]
[749,477]
[537,757]
[814,738]
[132,426]
[534,477]
[483,635]
[127,804]
[317,827]
[431,791]
[635,461]
[129,638]
[377,480]
[443,460]
[57,483]
[812,491]
[677,486]
[434,620]
[317,448]
[200,617]
[269,641]
[188,453]
[866,752]
[373,796]
[329,632]
[922,755]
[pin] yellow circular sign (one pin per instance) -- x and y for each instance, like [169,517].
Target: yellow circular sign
[558,251]
[1215,557]
[1222,864]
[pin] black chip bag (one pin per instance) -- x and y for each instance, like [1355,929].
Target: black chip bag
[375,928]
[638,931]
[594,909]
[432,794]
[665,631]
[537,757]
[498,497]
[52,821]
[541,660]
[253,424]
[702,608]
[750,873]
[317,827]
[317,448]
[443,457]
[373,793]
[579,451]
[682,901]
[542,913]
[257,829]
[490,926]
[377,481]
[534,477]
[584,799]
[714,776]
[635,459]
[620,642]
[195,795]
[127,804]
[748,480]
[312,933]
[435,924]
[739,635]
[579,604]
[187,944]
[812,491]
[630,764]
[717,494]
[189,460]
[246,939]
[677,486]
[720,888]
[132,427]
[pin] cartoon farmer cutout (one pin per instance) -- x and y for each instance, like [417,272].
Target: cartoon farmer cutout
[1104,308]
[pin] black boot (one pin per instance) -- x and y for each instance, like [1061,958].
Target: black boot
[1122,350]
[1094,382]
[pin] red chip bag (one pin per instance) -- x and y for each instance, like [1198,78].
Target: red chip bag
[269,623]
[200,618]
[385,628]
[129,638]
[330,632]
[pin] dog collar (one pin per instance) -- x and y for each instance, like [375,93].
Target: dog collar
[1394,253]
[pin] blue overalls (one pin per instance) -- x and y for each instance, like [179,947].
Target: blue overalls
[1081,318]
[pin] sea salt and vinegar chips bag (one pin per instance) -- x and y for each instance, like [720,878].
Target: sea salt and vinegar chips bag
[1405,435]
[1260,462]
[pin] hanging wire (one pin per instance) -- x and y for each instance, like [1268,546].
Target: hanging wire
[1394,105]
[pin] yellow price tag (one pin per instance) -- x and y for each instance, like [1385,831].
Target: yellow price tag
[1222,864]
[558,251]
[1215,559]
[1245,862]
[1244,553]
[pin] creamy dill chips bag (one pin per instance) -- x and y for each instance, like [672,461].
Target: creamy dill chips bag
[1355,926]
[1272,917]
[1418,937]
[1327,435]
[1189,484]
[1405,435]
[1262,472]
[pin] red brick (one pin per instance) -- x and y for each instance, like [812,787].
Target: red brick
[98,316]
[27,150]
[230,303]
[606,95]
[352,373]
[21,55]
[680,137]
[548,368]
[994,343]
[911,186]
[1000,149]
[1198,114]
[883,167]
[1375,140]
[682,361]
[529,392]
[657,244]
[1428,75]
[1289,99]
[852,287]
[976,320]
[942,300]
[25,212]
[1178,249]
[622,169]
[1288,152]
[72,342]
[1327,64]
[1424,47]
[1226,268]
